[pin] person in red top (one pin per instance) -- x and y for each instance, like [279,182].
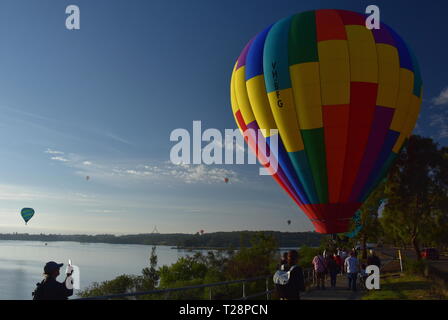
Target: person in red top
[338,261]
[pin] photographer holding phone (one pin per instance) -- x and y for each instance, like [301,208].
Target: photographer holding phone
[50,288]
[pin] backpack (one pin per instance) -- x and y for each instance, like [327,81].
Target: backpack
[281,277]
[38,292]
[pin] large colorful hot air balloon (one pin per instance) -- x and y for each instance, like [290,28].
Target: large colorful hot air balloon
[27,214]
[344,100]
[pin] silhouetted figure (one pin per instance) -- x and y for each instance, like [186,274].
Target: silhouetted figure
[50,288]
[289,283]
[373,259]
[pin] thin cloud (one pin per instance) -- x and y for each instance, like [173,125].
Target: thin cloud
[51,151]
[162,172]
[439,121]
[114,137]
[26,193]
[62,159]
[442,98]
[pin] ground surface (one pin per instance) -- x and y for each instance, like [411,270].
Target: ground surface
[394,286]
[341,291]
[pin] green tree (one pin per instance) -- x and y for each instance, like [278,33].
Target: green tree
[258,260]
[416,191]
[151,274]
[371,228]
[119,285]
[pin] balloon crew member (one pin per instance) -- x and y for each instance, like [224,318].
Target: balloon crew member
[50,288]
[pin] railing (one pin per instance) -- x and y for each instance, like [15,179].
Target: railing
[267,292]
[307,273]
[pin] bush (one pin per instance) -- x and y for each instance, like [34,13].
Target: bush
[119,285]
[306,255]
[415,267]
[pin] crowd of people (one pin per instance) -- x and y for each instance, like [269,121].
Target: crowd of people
[326,265]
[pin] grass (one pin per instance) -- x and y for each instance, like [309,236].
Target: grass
[407,287]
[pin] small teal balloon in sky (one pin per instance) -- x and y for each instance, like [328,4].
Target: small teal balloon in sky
[27,214]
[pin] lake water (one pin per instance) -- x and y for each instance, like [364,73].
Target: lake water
[22,262]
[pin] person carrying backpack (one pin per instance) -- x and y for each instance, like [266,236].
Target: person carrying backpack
[50,288]
[290,283]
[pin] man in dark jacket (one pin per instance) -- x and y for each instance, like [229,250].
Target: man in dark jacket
[373,259]
[50,288]
[296,283]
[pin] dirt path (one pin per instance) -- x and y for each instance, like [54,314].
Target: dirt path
[341,291]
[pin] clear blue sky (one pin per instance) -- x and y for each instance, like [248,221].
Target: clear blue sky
[102,101]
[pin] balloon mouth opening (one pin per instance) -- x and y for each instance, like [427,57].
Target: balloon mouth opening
[331,226]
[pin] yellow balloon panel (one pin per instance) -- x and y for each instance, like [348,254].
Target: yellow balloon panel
[259,101]
[334,72]
[403,100]
[241,95]
[285,115]
[305,81]
[362,54]
[388,75]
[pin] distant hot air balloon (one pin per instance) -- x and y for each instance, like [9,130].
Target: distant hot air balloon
[226,180]
[344,100]
[202,232]
[87,178]
[289,222]
[27,214]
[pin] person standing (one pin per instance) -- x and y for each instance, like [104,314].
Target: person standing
[50,288]
[373,259]
[320,270]
[296,283]
[284,262]
[337,258]
[343,254]
[351,266]
[333,270]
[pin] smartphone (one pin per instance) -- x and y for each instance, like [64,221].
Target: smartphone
[69,269]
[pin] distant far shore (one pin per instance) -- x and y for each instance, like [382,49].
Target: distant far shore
[206,241]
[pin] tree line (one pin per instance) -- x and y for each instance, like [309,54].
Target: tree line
[234,239]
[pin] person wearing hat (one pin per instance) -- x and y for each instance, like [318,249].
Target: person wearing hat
[50,288]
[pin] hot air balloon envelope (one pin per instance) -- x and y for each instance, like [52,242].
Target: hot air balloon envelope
[343,98]
[27,214]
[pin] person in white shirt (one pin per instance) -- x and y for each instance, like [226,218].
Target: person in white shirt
[351,266]
[343,255]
